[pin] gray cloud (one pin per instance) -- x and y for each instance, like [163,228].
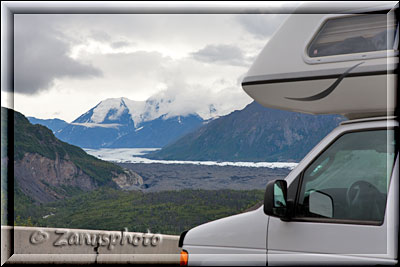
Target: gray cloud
[100,35]
[41,56]
[120,44]
[225,54]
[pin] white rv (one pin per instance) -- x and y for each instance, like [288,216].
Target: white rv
[340,205]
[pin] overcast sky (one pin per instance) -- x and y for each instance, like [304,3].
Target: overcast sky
[66,64]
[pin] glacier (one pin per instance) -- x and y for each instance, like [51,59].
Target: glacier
[133,155]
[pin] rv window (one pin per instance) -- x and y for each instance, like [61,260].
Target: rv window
[355,34]
[354,173]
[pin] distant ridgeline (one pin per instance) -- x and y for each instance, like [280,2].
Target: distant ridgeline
[47,169]
[255,133]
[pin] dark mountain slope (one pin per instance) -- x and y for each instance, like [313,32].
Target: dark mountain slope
[255,133]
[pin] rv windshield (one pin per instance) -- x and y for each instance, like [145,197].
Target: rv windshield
[355,34]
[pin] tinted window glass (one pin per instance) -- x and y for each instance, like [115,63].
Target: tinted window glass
[355,34]
[350,179]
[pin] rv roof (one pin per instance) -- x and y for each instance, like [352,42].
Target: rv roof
[345,7]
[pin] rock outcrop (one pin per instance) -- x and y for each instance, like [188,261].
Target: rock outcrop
[45,180]
[128,180]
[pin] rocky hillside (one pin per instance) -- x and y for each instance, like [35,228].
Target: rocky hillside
[255,133]
[46,169]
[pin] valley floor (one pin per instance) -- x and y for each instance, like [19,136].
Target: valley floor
[159,177]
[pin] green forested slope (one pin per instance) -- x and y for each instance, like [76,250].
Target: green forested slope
[167,212]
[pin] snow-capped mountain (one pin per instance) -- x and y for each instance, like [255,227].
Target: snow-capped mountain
[114,111]
[121,122]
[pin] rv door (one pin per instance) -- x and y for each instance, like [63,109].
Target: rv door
[344,207]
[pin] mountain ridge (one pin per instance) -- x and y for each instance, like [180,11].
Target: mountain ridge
[54,125]
[255,133]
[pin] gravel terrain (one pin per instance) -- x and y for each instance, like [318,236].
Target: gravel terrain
[160,177]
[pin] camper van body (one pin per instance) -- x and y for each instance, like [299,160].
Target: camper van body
[305,220]
[254,238]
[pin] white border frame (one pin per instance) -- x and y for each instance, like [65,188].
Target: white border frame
[8,9]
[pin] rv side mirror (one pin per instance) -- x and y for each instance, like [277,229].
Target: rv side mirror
[275,199]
